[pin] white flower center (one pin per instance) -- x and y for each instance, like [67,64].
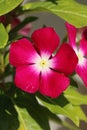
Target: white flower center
[80,56]
[43,63]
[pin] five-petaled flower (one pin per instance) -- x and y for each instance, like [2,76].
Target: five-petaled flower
[38,68]
[80,49]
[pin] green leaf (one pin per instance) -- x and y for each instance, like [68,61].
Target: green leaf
[69,126]
[60,106]
[75,97]
[6,60]
[26,121]
[69,10]
[8,115]
[36,114]
[3,36]
[32,116]
[8,5]
[80,113]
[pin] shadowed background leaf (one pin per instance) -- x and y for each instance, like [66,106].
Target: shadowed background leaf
[69,10]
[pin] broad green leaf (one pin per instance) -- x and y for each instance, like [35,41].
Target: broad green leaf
[69,10]
[75,97]
[29,109]
[80,113]
[32,116]
[26,121]
[8,5]
[60,106]
[3,36]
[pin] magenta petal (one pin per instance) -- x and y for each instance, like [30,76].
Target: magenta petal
[22,52]
[84,33]
[15,22]
[71,34]
[65,60]
[83,46]
[27,78]
[53,84]
[46,40]
[25,31]
[81,70]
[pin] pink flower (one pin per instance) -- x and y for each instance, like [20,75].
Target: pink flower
[79,33]
[37,68]
[3,19]
[25,30]
[80,49]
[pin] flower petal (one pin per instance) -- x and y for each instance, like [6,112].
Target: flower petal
[53,84]
[83,42]
[22,52]
[46,40]
[65,60]
[25,30]
[83,46]
[81,70]
[27,78]
[15,22]
[84,33]
[71,34]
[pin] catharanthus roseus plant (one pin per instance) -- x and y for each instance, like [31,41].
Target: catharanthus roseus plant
[37,69]
[80,49]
